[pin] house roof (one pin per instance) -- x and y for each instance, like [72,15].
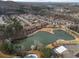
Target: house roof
[60,49]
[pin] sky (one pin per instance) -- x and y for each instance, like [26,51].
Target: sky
[45,0]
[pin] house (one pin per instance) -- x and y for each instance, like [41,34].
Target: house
[67,51]
[60,49]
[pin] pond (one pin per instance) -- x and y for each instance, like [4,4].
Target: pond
[45,38]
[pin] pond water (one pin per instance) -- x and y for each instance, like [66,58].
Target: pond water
[45,38]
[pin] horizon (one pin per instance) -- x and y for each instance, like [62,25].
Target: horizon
[64,1]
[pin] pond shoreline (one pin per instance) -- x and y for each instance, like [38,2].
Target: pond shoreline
[46,29]
[44,37]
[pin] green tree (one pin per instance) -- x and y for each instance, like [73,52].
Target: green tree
[47,52]
[13,26]
[7,46]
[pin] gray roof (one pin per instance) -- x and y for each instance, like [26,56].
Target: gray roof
[71,52]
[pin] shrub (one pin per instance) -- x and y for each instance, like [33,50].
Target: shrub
[47,52]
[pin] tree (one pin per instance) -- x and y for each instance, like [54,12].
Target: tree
[47,52]
[13,26]
[8,46]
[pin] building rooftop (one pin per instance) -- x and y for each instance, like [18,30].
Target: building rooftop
[31,56]
[60,49]
[68,51]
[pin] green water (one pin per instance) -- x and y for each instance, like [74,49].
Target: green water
[45,38]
